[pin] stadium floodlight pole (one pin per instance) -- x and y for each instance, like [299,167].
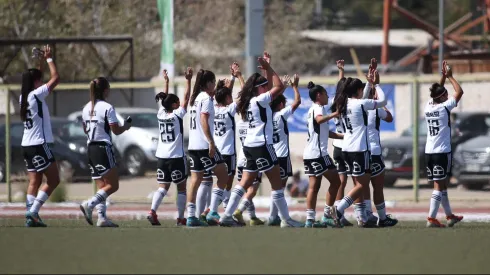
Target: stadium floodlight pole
[415,137]
[254,33]
[441,34]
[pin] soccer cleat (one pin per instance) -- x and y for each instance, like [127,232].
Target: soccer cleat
[328,221]
[367,224]
[228,222]
[388,222]
[345,222]
[372,218]
[181,222]
[314,224]
[256,221]
[274,221]
[453,219]
[332,218]
[212,219]
[106,223]
[87,212]
[195,222]
[238,217]
[206,212]
[33,220]
[431,222]
[153,218]
[291,223]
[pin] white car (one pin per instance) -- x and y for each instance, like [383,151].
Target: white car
[138,145]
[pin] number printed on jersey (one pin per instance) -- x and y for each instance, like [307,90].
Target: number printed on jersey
[219,128]
[433,127]
[193,123]
[167,131]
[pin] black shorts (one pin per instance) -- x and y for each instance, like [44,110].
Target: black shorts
[100,159]
[261,158]
[199,160]
[359,163]
[230,161]
[37,157]
[316,167]
[239,174]
[377,165]
[438,166]
[338,157]
[286,168]
[172,170]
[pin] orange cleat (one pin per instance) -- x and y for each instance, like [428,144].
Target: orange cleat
[431,222]
[453,219]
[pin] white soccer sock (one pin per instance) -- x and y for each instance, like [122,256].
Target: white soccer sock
[282,205]
[236,195]
[445,204]
[181,199]
[435,201]
[381,208]
[191,210]
[226,198]
[244,204]
[369,207]
[209,195]
[273,209]
[39,201]
[310,214]
[99,197]
[202,196]
[251,210]
[360,209]
[336,203]
[216,199]
[29,201]
[344,204]
[101,210]
[157,198]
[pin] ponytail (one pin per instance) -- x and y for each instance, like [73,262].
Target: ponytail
[97,88]
[248,91]
[28,79]
[314,90]
[203,77]
[338,91]
[340,101]
[167,100]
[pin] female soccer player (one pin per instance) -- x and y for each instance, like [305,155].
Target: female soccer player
[377,164]
[172,162]
[253,104]
[353,108]
[281,113]
[99,119]
[316,160]
[37,135]
[202,148]
[438,147]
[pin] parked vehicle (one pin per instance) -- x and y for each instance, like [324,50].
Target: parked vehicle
[398,152]
[472,159]
[69,149]
[138,146]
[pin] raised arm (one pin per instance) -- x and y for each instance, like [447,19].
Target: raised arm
[55,78]
[238,73]
[389,116]
[381,100]
[297,96]
[370,78]
[443,73]
[188,77]
[458,91]
[340,65]
[165,76]
[267,58]
[278,86]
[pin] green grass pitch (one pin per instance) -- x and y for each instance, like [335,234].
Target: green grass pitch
[72,246]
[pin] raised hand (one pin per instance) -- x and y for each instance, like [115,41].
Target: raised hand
[235,69]
[340,64]
[286,80]
[264,65]
[188,73]
[374,63]
[370,76]
[47,52]
[295,80]
[267,57]
[446,69]
[376,77]
[165,75]
[227,82]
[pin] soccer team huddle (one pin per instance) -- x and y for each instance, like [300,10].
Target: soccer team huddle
[261,125]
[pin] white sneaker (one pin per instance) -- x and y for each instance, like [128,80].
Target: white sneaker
[87,212]
[106,223]
[291,223]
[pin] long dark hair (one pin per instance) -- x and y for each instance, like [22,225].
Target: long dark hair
[28,78]
[202,78]
[341,81]
[276,102]
[436,92]
[222,92]
[97,88]
[348,89]
[249,90]
[167,100]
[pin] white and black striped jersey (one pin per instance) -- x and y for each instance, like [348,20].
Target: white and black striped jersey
[97,124]
[224,128]
[340,129]
[317,145]
[171,140]
[438,121]
[242,127]
[281,131]
[259,117]
[374,121]
[356,121]
[37,127]
[203,104]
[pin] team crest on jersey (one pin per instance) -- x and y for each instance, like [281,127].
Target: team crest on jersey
[262,163]
[38,161]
